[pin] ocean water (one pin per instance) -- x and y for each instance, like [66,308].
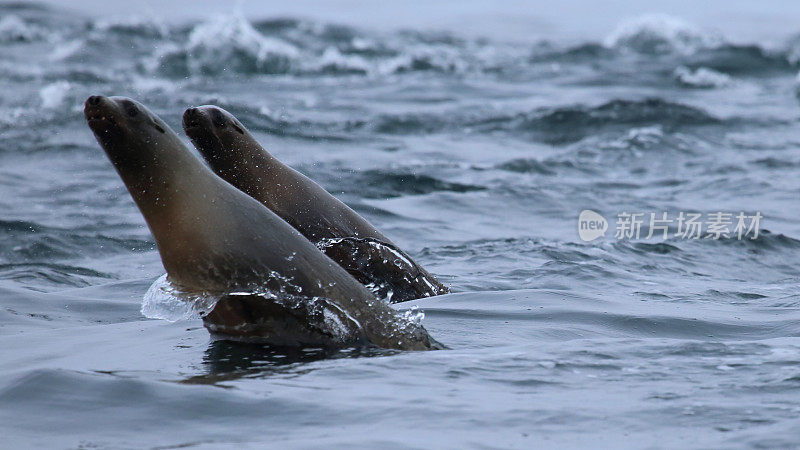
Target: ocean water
[475,148]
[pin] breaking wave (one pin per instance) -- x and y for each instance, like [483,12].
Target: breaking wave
[15,29]
[226,44]
[660,34]
[701,77]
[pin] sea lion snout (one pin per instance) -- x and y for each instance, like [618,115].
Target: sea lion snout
[122,106]
[206,118]
[210,119]
[95,103]
[198,125]
[99,112]
[115,118]
[209,124]
[191,118]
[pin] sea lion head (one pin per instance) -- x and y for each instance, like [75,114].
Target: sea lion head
[212,129]
[162,176]
[113,118]
[128,132]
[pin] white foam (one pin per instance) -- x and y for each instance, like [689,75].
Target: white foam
[414,316]
[332,58]
[659,33]
[702,77]
[226,38]
[637,138]
[54,94]
[333,321]
[359,43]
[437,57]
[13,28]
[64,50]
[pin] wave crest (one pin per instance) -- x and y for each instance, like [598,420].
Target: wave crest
[15,29]
[573,123]
[227,44]
[659,34]
[701,77]
[147,26]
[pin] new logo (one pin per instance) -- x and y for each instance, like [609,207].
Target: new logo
[591,225]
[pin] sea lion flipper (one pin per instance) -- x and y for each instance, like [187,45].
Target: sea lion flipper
[282,321]
[383,267]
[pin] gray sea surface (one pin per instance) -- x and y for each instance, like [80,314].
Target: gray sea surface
[472,134]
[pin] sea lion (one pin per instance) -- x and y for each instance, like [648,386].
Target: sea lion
[274,284]
[235,155]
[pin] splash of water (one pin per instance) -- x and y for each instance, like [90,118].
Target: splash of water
[165,301]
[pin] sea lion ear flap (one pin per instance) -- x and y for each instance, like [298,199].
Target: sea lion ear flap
[157,125]
[237,127]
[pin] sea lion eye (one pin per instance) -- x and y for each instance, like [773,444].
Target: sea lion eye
[130,108]
[217,119]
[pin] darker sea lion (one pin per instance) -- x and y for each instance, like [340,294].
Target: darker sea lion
[346,237]
[274,284]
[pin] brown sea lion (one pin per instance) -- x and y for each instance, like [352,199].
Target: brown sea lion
[274,284]
[235,155]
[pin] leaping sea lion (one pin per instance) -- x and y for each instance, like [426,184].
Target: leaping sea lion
[346,237]
[274,284]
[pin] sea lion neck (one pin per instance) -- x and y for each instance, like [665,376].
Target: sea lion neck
[246,164]
[242,158]
[234,154]
[157,171]
[239,159]
[171,186]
